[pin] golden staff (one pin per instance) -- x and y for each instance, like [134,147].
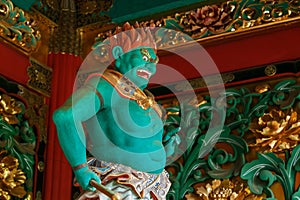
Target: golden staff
[105,190]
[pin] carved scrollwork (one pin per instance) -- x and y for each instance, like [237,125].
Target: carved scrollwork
[268,169]
[232,16]
[36,111]
[217,19]
[264,120]
[18,28]
[12,178]
[18,142]
[235,189]
[276,131]
[10,108]
[39,77]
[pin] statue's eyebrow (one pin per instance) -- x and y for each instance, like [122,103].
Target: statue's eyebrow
[146,53]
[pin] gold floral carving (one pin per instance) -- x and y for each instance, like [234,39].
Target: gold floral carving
[276,131]
[36,111]
[261,88]
[12,179]
[223,190]
[220,19]
[39,77]
[234,15]
[9,108]
[18,28]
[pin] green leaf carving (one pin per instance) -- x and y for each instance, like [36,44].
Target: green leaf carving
[203,160]
[19,140]
[268,168]
[296,195]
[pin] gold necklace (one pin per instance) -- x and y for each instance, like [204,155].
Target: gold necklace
[128,89]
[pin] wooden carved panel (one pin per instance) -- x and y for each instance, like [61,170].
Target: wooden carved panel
[22,141]
[254,155]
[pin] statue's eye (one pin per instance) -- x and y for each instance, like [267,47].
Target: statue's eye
[145,58]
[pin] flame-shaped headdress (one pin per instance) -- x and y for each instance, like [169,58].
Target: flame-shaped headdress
[128,37]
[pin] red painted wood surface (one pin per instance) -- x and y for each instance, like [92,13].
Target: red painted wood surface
[237,54]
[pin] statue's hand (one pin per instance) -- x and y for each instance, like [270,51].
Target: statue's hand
[171,140]
[83,177]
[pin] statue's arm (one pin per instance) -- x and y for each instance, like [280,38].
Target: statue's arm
[82,105]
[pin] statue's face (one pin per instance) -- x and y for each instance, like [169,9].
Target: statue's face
[138,65]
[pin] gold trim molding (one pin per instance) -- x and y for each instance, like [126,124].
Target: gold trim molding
[202,83]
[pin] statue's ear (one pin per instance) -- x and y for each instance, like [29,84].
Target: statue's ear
[117,51]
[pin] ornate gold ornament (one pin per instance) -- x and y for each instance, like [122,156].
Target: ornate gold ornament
[128,89]
[40,77]
[37,110]
[12,179]
[72,19]
[275,131]
[41,166]
[9,108]
[223,190]
[221,19]
[261,88]
[234,15]
[228,77]
[19,141]
[270,70]
[18,28]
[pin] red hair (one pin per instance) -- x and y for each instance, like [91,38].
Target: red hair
[127,37]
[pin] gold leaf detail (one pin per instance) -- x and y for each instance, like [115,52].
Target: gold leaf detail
[9,108]
[276,131]
[11,178]
[223,190]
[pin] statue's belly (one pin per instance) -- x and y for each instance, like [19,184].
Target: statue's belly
[135,121]
[131,136]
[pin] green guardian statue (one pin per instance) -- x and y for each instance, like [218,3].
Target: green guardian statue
[112,116]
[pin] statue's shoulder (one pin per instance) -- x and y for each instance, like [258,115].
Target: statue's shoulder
[98,79]
[124,86]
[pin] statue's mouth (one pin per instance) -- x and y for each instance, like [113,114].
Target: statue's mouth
[143,73]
